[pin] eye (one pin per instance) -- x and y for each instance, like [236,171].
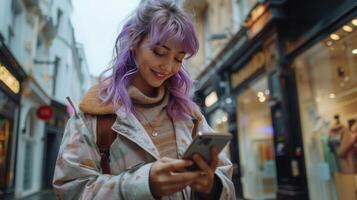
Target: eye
[158,52]
[178,60]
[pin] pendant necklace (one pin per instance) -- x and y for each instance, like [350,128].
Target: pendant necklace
[154,132]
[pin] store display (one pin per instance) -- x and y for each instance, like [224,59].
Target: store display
[347,152]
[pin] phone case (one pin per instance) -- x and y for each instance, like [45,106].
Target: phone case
[203,142]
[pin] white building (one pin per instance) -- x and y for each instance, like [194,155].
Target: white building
[40,35]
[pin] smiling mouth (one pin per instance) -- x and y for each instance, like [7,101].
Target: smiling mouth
[159,75]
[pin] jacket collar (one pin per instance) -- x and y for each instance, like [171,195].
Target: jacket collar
[129,126]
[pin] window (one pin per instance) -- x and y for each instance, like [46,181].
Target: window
[326,76]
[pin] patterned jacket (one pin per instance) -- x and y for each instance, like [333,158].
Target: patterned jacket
[78,174]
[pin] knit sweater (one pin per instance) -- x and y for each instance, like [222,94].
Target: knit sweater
[153,116]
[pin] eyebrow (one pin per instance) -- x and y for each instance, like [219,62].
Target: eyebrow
[166,47]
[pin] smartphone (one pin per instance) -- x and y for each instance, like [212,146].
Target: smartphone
[202,144]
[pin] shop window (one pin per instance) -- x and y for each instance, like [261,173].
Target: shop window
[219,122]
[7,110]
[255,135]
[326,77]
[5,133]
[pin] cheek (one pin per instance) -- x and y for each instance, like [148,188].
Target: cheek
[176,69]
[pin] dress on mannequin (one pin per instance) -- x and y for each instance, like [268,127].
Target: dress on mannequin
[334,140]
[347,151]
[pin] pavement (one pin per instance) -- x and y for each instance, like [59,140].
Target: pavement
[43,195]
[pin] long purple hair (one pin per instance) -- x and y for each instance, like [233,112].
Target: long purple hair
[159,20]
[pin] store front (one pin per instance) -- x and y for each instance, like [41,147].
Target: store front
[11,77]
[256,143]
[255,134]
[53,136]
[8,116]
[326,76]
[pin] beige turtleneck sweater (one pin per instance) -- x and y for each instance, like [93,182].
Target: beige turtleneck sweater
[153,116]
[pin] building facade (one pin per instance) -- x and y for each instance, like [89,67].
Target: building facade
[40,37]
[280,82]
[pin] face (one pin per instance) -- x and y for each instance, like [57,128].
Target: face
[156,65]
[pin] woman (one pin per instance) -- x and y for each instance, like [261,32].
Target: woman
[148,91]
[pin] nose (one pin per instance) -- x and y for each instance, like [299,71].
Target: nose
[166,66]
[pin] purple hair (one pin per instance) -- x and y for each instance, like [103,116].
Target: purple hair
[159,20]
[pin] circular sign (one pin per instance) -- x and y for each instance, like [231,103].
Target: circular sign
[45,112]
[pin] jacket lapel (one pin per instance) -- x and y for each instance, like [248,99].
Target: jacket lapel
[184,130]
[128,126]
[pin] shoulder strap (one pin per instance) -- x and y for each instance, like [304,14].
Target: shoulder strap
[105,138]
[195,127]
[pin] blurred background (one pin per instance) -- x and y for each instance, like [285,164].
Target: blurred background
[279,75]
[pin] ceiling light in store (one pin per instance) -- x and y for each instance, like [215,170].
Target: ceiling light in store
[354,22]
[354,51]
[347,28]
[334,36]
[332,96]
[262,99]
[329,43]
[260,94]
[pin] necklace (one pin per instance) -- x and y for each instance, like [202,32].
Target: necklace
[154,132]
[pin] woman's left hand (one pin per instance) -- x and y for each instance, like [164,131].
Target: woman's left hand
[205,183]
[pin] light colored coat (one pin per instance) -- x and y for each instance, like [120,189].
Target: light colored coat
[78,174]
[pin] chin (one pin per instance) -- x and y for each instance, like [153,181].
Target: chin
[156,84]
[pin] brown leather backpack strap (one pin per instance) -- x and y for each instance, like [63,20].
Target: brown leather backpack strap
[105,138]
[195,127]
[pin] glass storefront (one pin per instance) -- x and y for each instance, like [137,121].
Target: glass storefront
[326,76]
[255,133]
[7,108]
[219,122]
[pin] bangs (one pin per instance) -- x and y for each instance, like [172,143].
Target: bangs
[179,30]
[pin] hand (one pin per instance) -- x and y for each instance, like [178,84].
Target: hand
[168,176]
[205,183]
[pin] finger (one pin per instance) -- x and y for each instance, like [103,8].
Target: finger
[202,164]
[215,159]
[183,177]
[175,165]
[167,159]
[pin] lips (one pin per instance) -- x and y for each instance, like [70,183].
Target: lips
[159,75]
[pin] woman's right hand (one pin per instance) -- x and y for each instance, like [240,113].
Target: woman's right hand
[168,176]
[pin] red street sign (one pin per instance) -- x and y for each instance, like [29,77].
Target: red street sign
[45,112]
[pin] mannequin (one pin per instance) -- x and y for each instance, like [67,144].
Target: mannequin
[347,150]
[334,140]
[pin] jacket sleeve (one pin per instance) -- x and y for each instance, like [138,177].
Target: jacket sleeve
[78,173]
[224,170]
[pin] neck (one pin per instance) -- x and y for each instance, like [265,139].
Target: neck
[145,88]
